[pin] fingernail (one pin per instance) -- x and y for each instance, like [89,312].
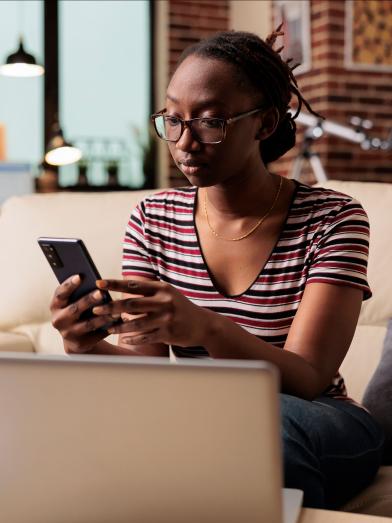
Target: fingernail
[75,279]
[97,295]
[102,284]
[97,310]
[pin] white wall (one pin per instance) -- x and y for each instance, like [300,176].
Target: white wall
[251,15]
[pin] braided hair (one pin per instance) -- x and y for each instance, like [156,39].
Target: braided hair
[259,64]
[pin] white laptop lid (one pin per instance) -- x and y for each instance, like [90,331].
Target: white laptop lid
[100,439]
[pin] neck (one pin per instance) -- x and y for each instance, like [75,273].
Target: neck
[242,196]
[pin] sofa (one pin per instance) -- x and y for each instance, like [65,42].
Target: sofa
[99,219]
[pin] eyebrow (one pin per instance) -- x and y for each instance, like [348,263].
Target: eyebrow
[207,102]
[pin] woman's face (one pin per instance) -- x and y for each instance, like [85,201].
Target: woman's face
[204,87]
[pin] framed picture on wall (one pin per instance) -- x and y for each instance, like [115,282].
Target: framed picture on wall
[295,16]
[368,30]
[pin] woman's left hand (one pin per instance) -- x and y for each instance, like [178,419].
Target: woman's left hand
[168,316]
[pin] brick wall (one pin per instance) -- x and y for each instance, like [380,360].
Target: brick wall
[338,93]
[189,21]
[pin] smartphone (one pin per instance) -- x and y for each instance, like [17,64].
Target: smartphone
[69,256]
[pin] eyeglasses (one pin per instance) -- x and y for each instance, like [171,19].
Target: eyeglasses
[203,130]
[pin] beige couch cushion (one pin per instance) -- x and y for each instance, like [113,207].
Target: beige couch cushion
[28,283]
[44,338]
[376,199]
[362,358]
[13,342]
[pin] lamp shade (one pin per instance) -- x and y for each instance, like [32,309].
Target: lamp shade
[21,64]
[59,151]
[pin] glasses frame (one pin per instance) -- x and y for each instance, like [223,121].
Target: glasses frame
[188,123]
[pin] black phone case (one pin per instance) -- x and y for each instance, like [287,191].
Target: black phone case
[69,256]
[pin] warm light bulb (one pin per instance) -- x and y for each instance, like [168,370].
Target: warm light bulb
[22,70]
[63,155]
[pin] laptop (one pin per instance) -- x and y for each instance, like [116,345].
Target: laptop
[90,439]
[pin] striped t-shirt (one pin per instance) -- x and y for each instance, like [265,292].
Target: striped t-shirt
[325,239]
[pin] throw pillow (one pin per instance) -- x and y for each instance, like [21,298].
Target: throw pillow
[378,394]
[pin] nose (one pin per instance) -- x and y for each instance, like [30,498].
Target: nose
[187,142]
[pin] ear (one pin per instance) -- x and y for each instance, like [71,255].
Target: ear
[269,122]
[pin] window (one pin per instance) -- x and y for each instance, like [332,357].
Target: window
[104,85]
[21,99]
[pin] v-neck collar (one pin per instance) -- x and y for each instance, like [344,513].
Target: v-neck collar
[271,254]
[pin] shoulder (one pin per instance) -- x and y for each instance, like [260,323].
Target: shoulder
[169,201]
[321,204]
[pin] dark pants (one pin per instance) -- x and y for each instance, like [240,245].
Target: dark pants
[332,449]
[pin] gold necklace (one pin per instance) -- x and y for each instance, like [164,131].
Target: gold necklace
[253,228]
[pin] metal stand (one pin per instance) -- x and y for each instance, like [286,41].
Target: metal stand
[307,154]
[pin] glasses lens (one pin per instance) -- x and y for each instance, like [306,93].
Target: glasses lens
[205,130]
[208,130]
[168,127]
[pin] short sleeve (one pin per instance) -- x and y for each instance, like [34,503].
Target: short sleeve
[135,257]
[341,254]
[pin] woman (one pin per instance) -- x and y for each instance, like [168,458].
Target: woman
[244,263]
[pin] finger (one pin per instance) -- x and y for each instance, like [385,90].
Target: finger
[145,287]
[71,313]
[88,326]
[129,305]
[142,324]
[87,302]
[153,336]
[64,291]
[84,343]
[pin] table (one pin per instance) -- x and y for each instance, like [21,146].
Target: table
[309,515]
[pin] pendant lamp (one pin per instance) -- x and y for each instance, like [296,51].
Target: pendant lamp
[59,151]
[21,64]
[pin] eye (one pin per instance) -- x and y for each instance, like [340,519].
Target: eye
[211,123]
[172,121]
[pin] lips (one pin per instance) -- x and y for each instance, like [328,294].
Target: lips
[191,167]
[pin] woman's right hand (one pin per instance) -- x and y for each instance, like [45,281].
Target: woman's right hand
[79,336]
